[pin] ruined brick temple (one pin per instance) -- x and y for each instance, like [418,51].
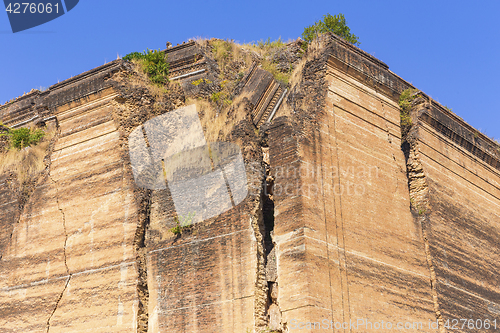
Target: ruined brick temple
[349,215]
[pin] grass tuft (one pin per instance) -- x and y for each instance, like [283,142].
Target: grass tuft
[182,223]
[278,75]
[218,123]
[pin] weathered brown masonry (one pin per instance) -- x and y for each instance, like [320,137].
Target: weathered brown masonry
[459,211]
[345,217]
[70,259]
[342,206]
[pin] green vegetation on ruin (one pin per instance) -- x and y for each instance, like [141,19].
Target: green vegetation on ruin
[182,223]
[336,24]
[23,150]
[153,63]
[405,100]
[230,55]
[22,137]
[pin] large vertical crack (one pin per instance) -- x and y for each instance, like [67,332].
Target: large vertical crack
[65,254]
[262,232]
[419,200]
[273,311]
[273,308]
[141,260]
[48,163]
[257,223]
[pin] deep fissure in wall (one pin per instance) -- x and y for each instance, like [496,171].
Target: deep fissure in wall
[418,187]
[63,219]
[141,259]
[139,100]
[272,307]
[234,257]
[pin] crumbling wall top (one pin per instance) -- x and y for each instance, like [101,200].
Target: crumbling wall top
[366,66]
[40,105]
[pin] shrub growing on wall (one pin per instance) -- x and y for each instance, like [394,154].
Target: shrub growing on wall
[24,137]
[153,63]
[336,24]
[24,163]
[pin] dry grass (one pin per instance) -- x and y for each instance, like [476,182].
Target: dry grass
[230,57]
[239,54]
[218,124]
[157,94]
[220,114]
[28,162]
[222,51]
[233,59]
[278,75]
[313,51]
[265,48]
[267,51]
[227,52]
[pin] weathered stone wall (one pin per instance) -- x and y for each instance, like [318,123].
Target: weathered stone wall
[343,191]
[455,185]
[345,219]
[347,245]
[70,264]
[210,278]
[79,258]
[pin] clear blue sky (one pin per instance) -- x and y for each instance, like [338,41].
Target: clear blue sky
[448,49]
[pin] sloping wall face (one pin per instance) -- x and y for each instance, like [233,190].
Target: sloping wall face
[348,247]
[460,213]
[382,263]
[33,273]
[211,277]
[349,223]
[70,265]
[9,208]
[99,222]
[92,251]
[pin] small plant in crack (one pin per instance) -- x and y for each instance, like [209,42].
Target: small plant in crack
[183,223]
[23,151]
[405,101]
[268,330]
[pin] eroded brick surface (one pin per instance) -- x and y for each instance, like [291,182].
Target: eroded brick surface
[353,220]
